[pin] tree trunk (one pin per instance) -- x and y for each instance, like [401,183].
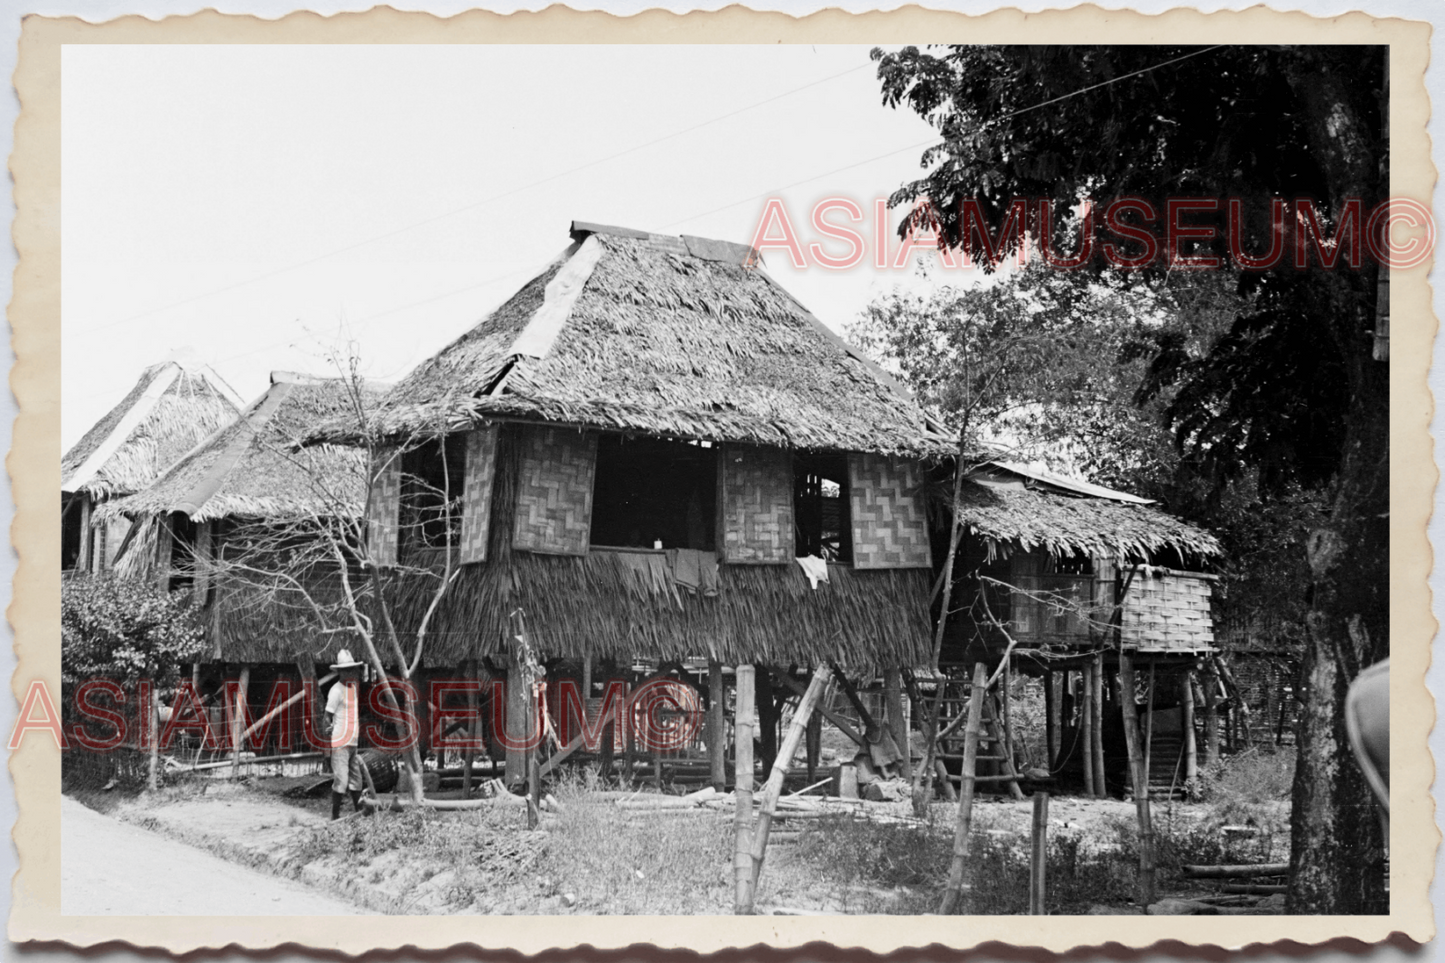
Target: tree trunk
[963,829]
[897,721]
[1139,776]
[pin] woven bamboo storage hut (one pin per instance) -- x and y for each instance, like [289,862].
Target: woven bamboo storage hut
[218,522]
[173,407]
[1074,573]
[649,435]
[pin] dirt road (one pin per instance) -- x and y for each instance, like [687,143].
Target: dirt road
[110,869]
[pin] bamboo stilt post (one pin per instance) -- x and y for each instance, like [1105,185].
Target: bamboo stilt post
[897,721]
[469,755]
[963,829]
[743,789]
[716,727]
[238,716]
[1086,724]
[1008,722]
[1051,722]
[817,686]
[1149,728]
[1191,758]
[1211,714]
[1100,782]
[1039,856]
[1139,775]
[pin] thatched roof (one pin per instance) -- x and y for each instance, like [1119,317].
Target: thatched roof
[173,406]
[250,468]
[1010,505]
[673,336]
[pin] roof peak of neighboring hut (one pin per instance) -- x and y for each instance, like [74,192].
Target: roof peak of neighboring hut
[991,477]
[173,405]
[667,335]
[248,467]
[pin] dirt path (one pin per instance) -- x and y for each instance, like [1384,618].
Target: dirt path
[110,869]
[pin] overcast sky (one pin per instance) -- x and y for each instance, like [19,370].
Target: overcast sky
[264,204]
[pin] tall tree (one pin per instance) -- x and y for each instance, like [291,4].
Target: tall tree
[1294,390]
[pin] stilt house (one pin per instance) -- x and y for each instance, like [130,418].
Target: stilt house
[648,437]
[173,407]
[1071,573]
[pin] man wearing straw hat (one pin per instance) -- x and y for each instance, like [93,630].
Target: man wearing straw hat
[343,722]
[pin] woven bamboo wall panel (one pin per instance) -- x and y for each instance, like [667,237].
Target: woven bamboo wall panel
[755,505]
[1168,611]
[889,529]
[481,472]
[554,491]
[383,511]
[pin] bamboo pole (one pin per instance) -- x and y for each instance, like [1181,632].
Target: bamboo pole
[1051,722]
[963,830]
[817,686]
[1100,781]
[716,727]
[897,722]
[1086,722]
[1039,856]
[1139,776]
[238,716]
[1191,758]
[152,719]
[743,789]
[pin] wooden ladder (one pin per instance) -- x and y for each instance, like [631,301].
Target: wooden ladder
[988,740]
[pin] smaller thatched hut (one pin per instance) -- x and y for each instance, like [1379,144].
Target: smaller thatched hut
[174,406]
[1073,574]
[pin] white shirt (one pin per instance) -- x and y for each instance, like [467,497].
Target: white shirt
[345,720]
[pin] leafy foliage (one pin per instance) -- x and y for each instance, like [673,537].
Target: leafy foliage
[124,629]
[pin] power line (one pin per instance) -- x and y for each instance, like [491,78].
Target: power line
[930,142]
[489,200]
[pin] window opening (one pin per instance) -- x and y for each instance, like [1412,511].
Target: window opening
[432,476]
[648,491]
[820,507]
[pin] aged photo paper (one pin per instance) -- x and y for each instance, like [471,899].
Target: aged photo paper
[635,262]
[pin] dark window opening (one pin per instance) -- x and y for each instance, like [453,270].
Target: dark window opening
[1069,565]
[820,507]
[70,523]
[649,491]
[431,492]
[183,547]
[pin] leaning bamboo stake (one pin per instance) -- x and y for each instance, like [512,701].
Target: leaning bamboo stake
[743,789]
[1139,774]
[963,831]
[817,687]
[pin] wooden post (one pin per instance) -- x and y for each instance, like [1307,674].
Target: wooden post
[1100,782]
[520,717]
[1211,714]
[716,726]
[817,686]
[813,744]
[152,719]
[963,829]
[767,714]
[743,789]
[1149,727]
[238,713]
[1191,758]
[87,541]
[1051,722]
[897,721]
[1039,856]
[1086,723]
[1139,776]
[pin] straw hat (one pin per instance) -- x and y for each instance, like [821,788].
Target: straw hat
[344,660]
